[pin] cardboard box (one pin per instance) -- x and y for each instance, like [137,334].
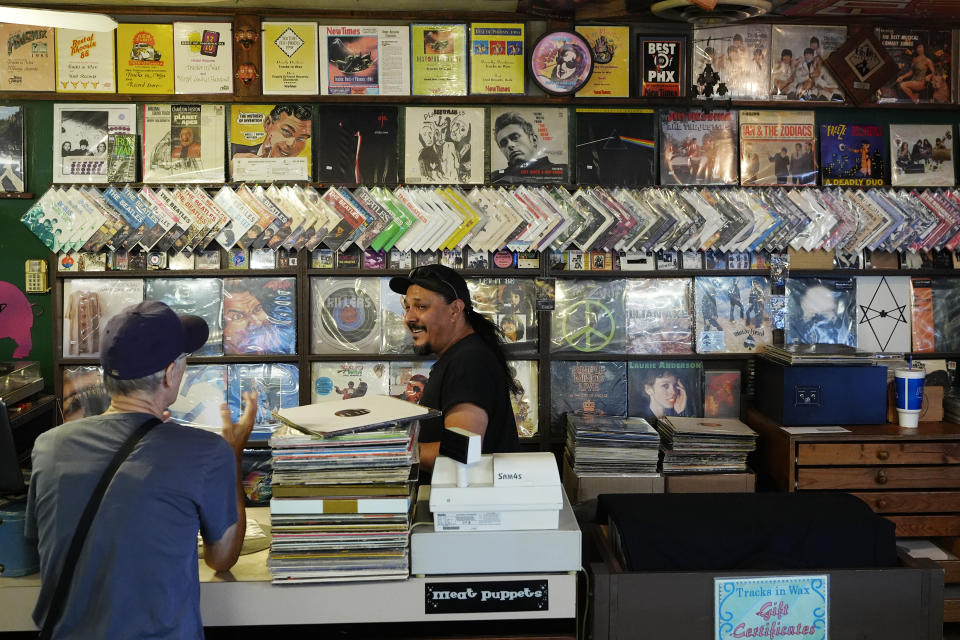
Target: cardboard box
[580,489]
[711,483]
[932,410]
[801,259]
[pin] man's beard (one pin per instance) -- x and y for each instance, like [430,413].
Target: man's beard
[423,350]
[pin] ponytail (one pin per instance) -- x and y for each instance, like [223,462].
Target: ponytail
[493,336]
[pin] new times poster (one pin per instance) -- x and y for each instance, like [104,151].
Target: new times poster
[586,388]
[733,314]
[588,317]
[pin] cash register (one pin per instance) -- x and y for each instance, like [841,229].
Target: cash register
[499,513]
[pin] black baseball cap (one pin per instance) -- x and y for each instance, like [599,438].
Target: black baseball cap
[146,338]
[436,278]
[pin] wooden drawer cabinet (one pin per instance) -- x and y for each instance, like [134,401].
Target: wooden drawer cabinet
[910,476]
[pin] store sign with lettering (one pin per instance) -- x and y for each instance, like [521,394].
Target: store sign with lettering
[486,597]
[787,607]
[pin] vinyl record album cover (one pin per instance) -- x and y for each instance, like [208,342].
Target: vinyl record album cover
[925,65]
[80,135]
[28,64]
[83,393]
[85,61]
[88,304]
[203,389]
[497,58]
[586,388]
[778,147]
[11,149]
[345,315]
[183,143]
[733,314]
[277,386]
[529,145]
[721,394]
[443,145]
[883,314]
[610,47]
[270,142]
[203,57]
[357,145]
[922,155]
[364,60]
[731,62]
[616,147]
[921,312]
[852,155]
[438,55]
[259,316]
[660,388]
[395,337]
[290,58]
[408,379]
[509,303]
[343,380]
[197,296]
[658,315]
[145,58]
[526,404]
[698,147]
[662,66]
[588,317]
[946,319]
[799,72]
[821,311]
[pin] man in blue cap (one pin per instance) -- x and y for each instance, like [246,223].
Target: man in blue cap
[470,382]
[136,574]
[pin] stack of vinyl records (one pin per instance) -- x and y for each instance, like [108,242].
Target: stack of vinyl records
[832,354]
[704,445]
[341,506]
[608,445]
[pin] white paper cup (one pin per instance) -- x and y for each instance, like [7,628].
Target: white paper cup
[909,387]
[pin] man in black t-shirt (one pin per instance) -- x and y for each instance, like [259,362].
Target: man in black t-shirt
[469,382]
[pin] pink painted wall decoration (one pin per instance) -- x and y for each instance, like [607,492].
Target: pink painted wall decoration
[16,318]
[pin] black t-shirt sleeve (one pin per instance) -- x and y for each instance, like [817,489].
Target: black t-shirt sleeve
[472,376]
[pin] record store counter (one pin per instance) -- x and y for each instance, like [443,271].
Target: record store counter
[245,596]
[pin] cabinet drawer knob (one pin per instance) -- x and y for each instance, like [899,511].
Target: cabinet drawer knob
[881,477]
[881,503]
[883,454]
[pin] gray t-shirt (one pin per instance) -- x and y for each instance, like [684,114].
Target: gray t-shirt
[137,574]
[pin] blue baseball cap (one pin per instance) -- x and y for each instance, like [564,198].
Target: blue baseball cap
[146,338]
